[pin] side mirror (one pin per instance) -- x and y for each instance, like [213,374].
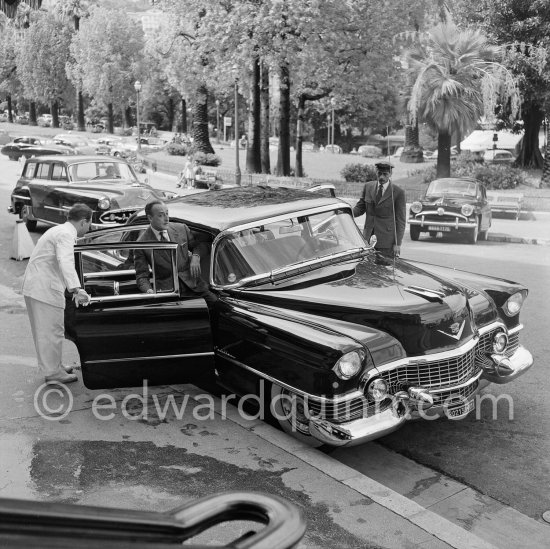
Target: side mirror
[372,241]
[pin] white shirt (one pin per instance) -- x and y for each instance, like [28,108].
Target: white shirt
[158,234]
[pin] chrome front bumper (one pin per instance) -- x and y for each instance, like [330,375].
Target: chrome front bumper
[496,369]
[453,224]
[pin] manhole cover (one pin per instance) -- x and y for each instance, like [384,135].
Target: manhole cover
[546,516]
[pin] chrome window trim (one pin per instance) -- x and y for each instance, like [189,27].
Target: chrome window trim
[157,357]
[267,220]
[309,396]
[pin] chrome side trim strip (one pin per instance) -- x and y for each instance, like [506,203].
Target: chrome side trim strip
[129,297]
[108,274]
[62,209]
[515,329]
[309,396]
[163,357]
[21,197]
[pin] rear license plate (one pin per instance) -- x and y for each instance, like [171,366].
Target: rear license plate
[460,411]
[439,228]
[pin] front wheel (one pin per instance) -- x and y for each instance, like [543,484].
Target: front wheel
[24,214]
[415,232]
[291,413]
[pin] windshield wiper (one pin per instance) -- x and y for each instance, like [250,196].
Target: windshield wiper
[308,265]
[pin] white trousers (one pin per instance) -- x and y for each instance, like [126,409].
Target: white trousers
[48,332]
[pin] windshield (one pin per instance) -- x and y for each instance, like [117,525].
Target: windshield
[101,170]
[273,246]
[460,188]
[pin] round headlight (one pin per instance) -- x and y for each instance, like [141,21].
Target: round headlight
[513,304]
[349,365]
[104,203]
[467,210]
[416,207]
[377,389]
[500,342]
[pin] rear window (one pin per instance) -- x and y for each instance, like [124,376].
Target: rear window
[42,171]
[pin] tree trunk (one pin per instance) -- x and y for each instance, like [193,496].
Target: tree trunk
[545,180]
[128,117]
[200,122]
[300,136]
[110,121]
[183,115]
[443,155]
[10,109]
[412,152]
[529,154]
[54,111]
[32,114]
[253,153]
[171,113]
[283,158]
[80,121]
[264,119]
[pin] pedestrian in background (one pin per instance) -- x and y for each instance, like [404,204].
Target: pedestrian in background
[50,271]
[386,211]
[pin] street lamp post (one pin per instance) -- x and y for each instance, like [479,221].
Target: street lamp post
[137,87]
[237,166]
[332,103]
[218,121]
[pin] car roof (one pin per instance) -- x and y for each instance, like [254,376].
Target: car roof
[77,159]
[455,179]
[228,208]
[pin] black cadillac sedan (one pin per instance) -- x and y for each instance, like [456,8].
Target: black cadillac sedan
[29,146]
[335,342]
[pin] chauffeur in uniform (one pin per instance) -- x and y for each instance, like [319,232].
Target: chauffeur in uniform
[386,211]
[50,272]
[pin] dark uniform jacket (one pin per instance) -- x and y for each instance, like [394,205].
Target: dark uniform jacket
[379,218]
[163,266]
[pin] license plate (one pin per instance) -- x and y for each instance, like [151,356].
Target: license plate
[460,411]
[439,228]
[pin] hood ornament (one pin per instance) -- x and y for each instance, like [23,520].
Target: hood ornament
[440,211]
[456,330]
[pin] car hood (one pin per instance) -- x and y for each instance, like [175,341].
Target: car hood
[426,313]
[447,201]
[121,193]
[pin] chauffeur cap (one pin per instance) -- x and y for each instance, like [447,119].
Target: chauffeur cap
[384,166]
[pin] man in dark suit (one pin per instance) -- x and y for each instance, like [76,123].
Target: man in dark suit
[386,212]
[188,256]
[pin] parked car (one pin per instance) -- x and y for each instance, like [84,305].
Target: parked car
[370,151]
[333,149]
[432,155]
[79,144]
[452,205]
[104,145]
[4,117]
[28,146]
[339,344]
[125,147]
[498,156]
[50,185]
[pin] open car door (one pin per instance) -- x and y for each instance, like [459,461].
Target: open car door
[125,336]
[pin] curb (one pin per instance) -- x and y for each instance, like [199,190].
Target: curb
[432,523]
[517,240]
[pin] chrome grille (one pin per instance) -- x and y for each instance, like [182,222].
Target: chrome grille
[117,216]
[341,411]
[450,371]
[485,344]
[455,396]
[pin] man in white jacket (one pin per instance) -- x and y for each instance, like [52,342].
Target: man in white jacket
[50,271]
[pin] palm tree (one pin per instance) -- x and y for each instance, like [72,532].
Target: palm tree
[456,79]
[10,7]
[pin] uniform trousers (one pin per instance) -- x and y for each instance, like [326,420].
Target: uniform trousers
[48,332]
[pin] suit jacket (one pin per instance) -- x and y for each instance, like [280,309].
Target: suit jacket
[380,217]
[51,266]
[163,265]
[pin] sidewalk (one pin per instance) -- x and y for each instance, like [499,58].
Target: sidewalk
[531,228]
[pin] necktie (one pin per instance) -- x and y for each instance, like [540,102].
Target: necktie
[379,193]
[164,236]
